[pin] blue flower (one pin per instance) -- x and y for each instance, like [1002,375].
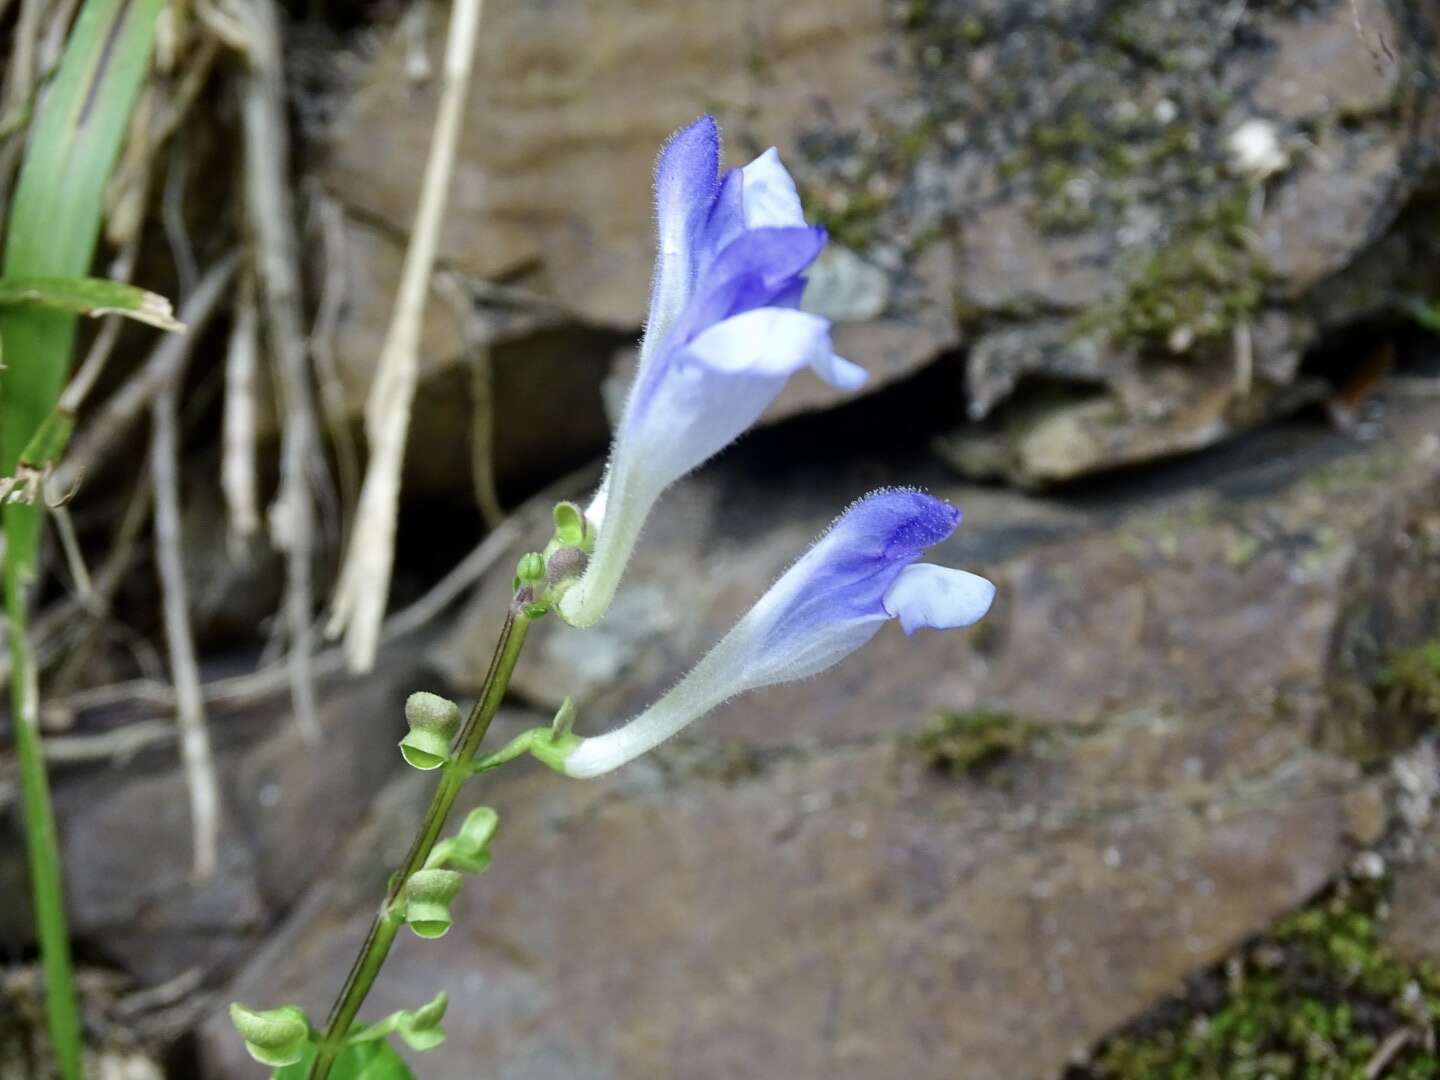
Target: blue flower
[723,334]
[860,574]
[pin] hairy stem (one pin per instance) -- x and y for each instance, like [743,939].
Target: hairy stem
[390,917]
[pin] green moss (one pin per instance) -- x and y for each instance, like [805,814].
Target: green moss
[850,186]
[975,740]
[1191,291]
[851,217]
[1314,999]
[1063,200]
[1411,679]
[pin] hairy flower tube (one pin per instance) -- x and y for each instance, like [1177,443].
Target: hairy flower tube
[723,335]
[860,574]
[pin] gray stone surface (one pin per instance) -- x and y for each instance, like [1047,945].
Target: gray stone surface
[1006,175]
[795,889]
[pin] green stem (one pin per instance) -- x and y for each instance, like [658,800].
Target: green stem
[390,918]
[40,839]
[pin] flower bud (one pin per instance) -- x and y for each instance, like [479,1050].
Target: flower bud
[433,723]
[421,1029]
[531,569]
[468,850]
[274,1037]
[428,895]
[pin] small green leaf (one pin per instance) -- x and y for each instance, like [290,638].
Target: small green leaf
[1427,315]
[91,296]
[363,1061]
[48,441]
[564,719]
[272,1036]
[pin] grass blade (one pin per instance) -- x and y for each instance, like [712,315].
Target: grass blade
[54,223]
[94,297]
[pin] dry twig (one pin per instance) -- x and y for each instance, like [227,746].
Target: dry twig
[104,430]
[476,336]
[237,458]
[169,564]
[271,215]
[364,586]
[256,685]
[331,218]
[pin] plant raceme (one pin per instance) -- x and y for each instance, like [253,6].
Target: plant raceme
[724,333]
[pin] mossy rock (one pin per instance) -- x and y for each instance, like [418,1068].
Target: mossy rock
[1319,998]
[975,741]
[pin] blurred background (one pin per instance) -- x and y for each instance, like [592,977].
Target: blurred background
[1149,288]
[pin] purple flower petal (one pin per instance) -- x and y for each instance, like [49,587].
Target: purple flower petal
[938,597]
[856,577]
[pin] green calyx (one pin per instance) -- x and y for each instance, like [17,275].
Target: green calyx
[433,723]
[425,900]
[468,850]
[553,749]
[419,1028]
[428,896]
[274,1037]
[541,577]
[571,529]
[551,745]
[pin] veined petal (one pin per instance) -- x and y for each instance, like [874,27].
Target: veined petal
[726,221]
[686,177]
[775,341]
[769,193]
[755,270]
[839,372]
[765,341]
[848,571]
[938,597]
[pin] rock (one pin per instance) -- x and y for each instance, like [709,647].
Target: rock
[564,209]
[1415,903]
[286,807]
[1103,214]
[1166,651]
[891,920]
[981,166]
[545,372]
[1112,409]
[1366,815]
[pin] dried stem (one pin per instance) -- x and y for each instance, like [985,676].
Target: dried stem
[103,431]
[242,689]
[271,215]
[195,753]
[364,586]
[237,460]
[333,290]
